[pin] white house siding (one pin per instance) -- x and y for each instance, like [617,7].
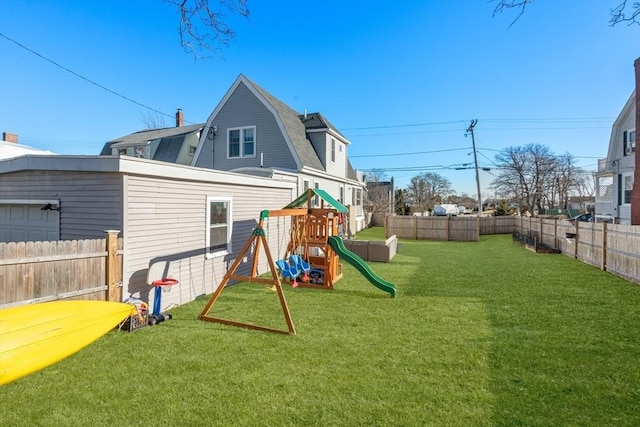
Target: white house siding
[89,202]
[339,167]
[165,220]
[620,164]
[243,109]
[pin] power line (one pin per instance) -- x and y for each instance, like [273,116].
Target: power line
[85,78]
[409,154]
[405,125]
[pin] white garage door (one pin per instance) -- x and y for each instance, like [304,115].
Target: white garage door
[28,223]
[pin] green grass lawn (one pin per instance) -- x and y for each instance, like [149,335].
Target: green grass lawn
[481,334]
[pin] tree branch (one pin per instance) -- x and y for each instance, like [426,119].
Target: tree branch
[618,14]
[510,4]
[203,27]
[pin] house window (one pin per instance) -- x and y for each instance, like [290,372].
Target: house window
[305,185]
[242,142]
[316,199]
[629,142]
[341,195]
[122,152]
[192,150]
[333,150]
[627,187]
[218,238]
[359,197]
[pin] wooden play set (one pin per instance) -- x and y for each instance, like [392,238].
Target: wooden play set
[315,216]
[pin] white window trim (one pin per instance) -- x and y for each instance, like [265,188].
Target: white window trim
[624,176]
[333,150]
[229,249]
[255,145]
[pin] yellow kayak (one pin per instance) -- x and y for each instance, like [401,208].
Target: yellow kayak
[35,336]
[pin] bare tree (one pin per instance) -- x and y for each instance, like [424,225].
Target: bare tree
[533,176]
[624,12]
[427,190]
[203,23]
[379,191]
[401,207]
[152,119]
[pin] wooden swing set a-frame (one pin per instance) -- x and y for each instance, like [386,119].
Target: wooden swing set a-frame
[258,236]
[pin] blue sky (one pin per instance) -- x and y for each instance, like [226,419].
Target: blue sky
[401,79]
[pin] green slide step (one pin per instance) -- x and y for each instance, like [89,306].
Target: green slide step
[337,245]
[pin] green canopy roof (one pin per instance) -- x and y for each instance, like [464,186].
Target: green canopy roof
[302,201]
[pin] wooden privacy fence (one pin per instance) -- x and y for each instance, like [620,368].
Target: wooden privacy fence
[33,272]
[611,247]
[461,228]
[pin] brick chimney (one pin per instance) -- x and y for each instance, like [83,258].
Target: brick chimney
[635,195]
[179,118]
[10,137]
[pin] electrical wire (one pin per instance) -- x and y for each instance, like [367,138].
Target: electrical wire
[85,78]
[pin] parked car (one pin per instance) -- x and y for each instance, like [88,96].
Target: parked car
[585,217]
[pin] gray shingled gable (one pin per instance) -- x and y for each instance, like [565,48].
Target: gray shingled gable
[169,149]
[294,128]
[150,135]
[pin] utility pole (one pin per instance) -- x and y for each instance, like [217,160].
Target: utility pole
[475,159]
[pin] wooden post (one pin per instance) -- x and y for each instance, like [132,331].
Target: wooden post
[446,230]
[541,230]
[576,240]
[604,246]
[386,226]
[555,234]
[415,227]
[113,273]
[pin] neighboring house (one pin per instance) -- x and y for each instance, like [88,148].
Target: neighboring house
[582,203]
[615,176]
[194,220]
[252,132]
[10,148]
[173,145]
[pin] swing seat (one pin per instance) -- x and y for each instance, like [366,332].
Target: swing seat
[288,270]
[300,264]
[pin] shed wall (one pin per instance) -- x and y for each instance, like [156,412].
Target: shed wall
[90,202]
[165,223]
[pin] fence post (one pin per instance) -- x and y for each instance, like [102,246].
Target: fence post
[541,230]
[576,240]
[555,234]
[386,226]
[604,246]
[446,229]
[112,278]
[415,227]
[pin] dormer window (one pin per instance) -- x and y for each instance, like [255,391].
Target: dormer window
[242,142]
